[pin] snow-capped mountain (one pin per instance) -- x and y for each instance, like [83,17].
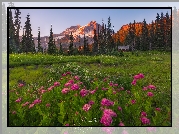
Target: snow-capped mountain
[78,34]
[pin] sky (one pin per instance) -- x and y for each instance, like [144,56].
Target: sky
[61,19]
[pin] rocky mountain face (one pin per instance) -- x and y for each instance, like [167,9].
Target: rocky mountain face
[78,34]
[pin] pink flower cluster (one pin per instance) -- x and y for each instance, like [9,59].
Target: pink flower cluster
[20,85]
[84,92]
[65,90]
[137,77]
[74,87]
[106,119]
[149,87]
[19,100]
[56,84]
[144,118]
[106,102]
[76,77]
[86,107]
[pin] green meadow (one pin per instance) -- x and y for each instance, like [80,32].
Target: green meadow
[47,90]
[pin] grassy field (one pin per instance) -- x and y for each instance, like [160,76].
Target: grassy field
[70,82]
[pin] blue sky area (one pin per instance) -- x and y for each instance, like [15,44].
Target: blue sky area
[62,19]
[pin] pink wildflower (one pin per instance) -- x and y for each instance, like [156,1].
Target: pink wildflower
[50,88]
[86,107]
[31,105]
[114,92]
[43,91]
[115,85]
[37,101]
[48,105]
[68,73]
[106,102]
[56,84]
[25,104]
[111,84]
[110,112]
[83,92]
[151,87]
[119,108]
[150,94]
[139,76]
[106,120]
[71,81]
[76,77]
[14,112]
[67,125]
[144,88]
[121,124]
[143,114]
[133,101]
[19,100]
[65,90]
[67,84]
[134,82]
[75,87]
[157,109]
[145,120]
[63,74]
[122,88]
[91,102]
[93,91]
[20,85]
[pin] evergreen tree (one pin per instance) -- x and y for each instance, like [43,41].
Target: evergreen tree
[110,40]
[71,44]
[40,49]
[144,37]
[12,45]
[23,47]
[4,28]
[29,41]
[158,39]
[162,32]
[17,28]
[152,35]
[51,45]
[95,44]
[85,45]
[61,49]
[131,36]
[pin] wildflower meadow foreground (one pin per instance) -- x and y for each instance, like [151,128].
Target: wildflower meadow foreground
[70,102]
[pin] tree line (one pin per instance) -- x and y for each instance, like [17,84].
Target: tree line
[139,36]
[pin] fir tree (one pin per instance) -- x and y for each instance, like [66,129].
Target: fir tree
[29,41]
[95,44]
[158,39]
[144,37]
[131,36]
[17,28]
[12,45]
[110,40]
[61,49]
[51,45]
[71,44]
[152,35]
[85,45]
[40,49]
